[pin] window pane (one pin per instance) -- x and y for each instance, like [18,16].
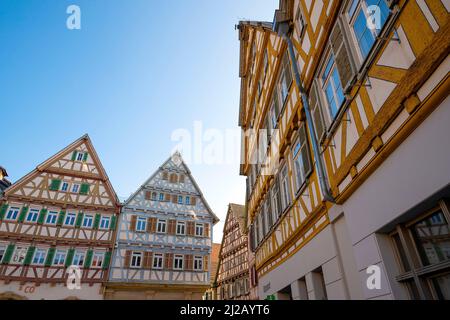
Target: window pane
[441,285]
[401,252]
[432,236]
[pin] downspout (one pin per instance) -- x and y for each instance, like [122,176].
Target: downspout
[283,29]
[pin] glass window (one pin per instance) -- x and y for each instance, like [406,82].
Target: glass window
[181,227]
[51,217]
[180,199]
[80,156]
[188,200]
[97,259]
[141,224]
[161,197]
[64,186]
[60,257]
[136,259]
[2,252]
[301,157]
[154,196]
[178,262]
[104,222]
[157,261]
[432,237]
[75,188]
[199,229]
[32,215]
[78,258]
[12,214]
[39,256]
[161,226]
[198,263]
[19,255]
[332,87]
[285,192]
[87,221]
[70,219]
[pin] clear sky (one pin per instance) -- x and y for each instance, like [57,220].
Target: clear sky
[137,71]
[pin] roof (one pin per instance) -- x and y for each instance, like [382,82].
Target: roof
[240,215]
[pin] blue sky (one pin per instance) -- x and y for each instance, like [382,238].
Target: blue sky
[135,72]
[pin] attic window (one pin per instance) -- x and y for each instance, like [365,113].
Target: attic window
[79,156]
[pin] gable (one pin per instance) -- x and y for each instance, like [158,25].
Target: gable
[76,167]
[162,184]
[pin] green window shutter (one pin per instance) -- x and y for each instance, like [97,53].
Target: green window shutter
[42,215]
[50,256]
[61,216]
[113,222]
[3,210]
[8,254]
[84,189]
[74,155]
[79,220]
[69,257]
[23,214]
[29,256]
[85,157]
[106,260]
[55,184]
[88,260]
[97,221]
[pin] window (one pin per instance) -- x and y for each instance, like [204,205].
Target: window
[285,193]
[64,186]
[70,219]
[332,87]
[161,226]
[51,217]
[358,17]
[266,62]
[12,213]
[80,156]
[161,197]
[199,229]
[181,227]
[301,157]
[180,199]
[19,255]
[154,196]
[423,251]
[276,201]
[141,224]
[157,261]
[316,110]
[97,259]
[32,215]
[187,200]
[104,222]
[300,26]
[2,252]
[39,256]
[87,221]
[259,227]
[75,188]
[198,263]
[285,78]
[60,257]
[178,262]
[78,258]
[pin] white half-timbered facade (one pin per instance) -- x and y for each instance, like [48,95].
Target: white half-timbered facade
[61,215]
[164,239]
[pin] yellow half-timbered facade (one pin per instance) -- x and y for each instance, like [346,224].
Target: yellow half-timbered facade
[57,228]
[344,110]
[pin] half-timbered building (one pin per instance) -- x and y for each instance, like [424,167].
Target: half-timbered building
[350,177]
[164,239]
[232,278]
[57,228]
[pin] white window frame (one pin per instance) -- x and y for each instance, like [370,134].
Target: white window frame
[198,227]
[161,197]
[75,188]
[158,261]
[39,256]
[88,217]
[161,226]
[324,81]
[51,218]
[187,200]
[105,222]
[66,185]
[32,215]
[70,217]
[78,258]
[79,153]
[12,214]
[60,258]
[285,189]
[180,200]
[2,252]
[141,224]
[180,259]
[97,259]
[198,263]
[181,225]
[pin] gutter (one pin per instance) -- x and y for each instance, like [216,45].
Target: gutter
[282,30]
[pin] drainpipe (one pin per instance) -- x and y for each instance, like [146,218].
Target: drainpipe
[283,29]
